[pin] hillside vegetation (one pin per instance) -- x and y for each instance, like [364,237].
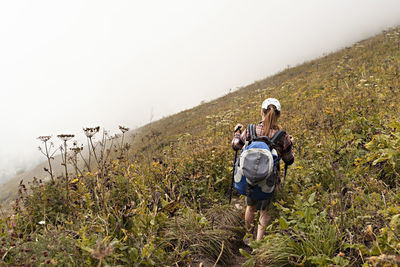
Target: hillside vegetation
[164,200]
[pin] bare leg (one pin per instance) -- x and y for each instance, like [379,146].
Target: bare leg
[264,220]
[249,217]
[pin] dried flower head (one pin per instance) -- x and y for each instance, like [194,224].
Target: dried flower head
[123,129]
[76,149]
[89,132]
[44,138]
[65,137]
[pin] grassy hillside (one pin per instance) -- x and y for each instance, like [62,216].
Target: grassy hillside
[163,201]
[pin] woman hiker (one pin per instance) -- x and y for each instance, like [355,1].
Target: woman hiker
[270,112]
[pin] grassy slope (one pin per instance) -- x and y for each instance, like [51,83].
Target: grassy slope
[303,90]
[333,106]
[9,189]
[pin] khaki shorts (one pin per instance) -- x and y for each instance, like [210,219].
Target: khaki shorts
[261,204]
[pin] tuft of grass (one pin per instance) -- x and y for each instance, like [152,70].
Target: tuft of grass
[194,235]
[292,247]
[228,218]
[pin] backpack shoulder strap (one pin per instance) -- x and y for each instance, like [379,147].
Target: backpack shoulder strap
[277,136]
[251,128]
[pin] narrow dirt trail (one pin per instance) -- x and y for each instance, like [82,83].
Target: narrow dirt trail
[239,259]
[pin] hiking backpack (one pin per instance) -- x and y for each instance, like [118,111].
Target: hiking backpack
[257,168]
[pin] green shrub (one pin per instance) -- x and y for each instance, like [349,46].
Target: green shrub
[304,235]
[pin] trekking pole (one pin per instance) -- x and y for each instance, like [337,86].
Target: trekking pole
[284,176]
[233,177]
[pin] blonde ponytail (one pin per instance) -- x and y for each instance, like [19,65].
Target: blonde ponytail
[270,122]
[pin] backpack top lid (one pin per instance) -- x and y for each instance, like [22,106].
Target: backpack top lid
[257,162]
[263,145]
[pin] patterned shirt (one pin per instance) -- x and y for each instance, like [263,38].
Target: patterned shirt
[284,146]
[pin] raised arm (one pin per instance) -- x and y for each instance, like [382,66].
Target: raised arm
[287,151]
[239,138]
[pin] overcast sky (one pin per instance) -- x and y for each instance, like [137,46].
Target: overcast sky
[69,64]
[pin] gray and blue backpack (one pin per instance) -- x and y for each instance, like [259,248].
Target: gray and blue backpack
[257,168]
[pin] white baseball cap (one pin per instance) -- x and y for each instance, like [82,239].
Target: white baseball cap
[271,101]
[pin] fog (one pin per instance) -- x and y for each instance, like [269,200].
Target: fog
[65,65]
